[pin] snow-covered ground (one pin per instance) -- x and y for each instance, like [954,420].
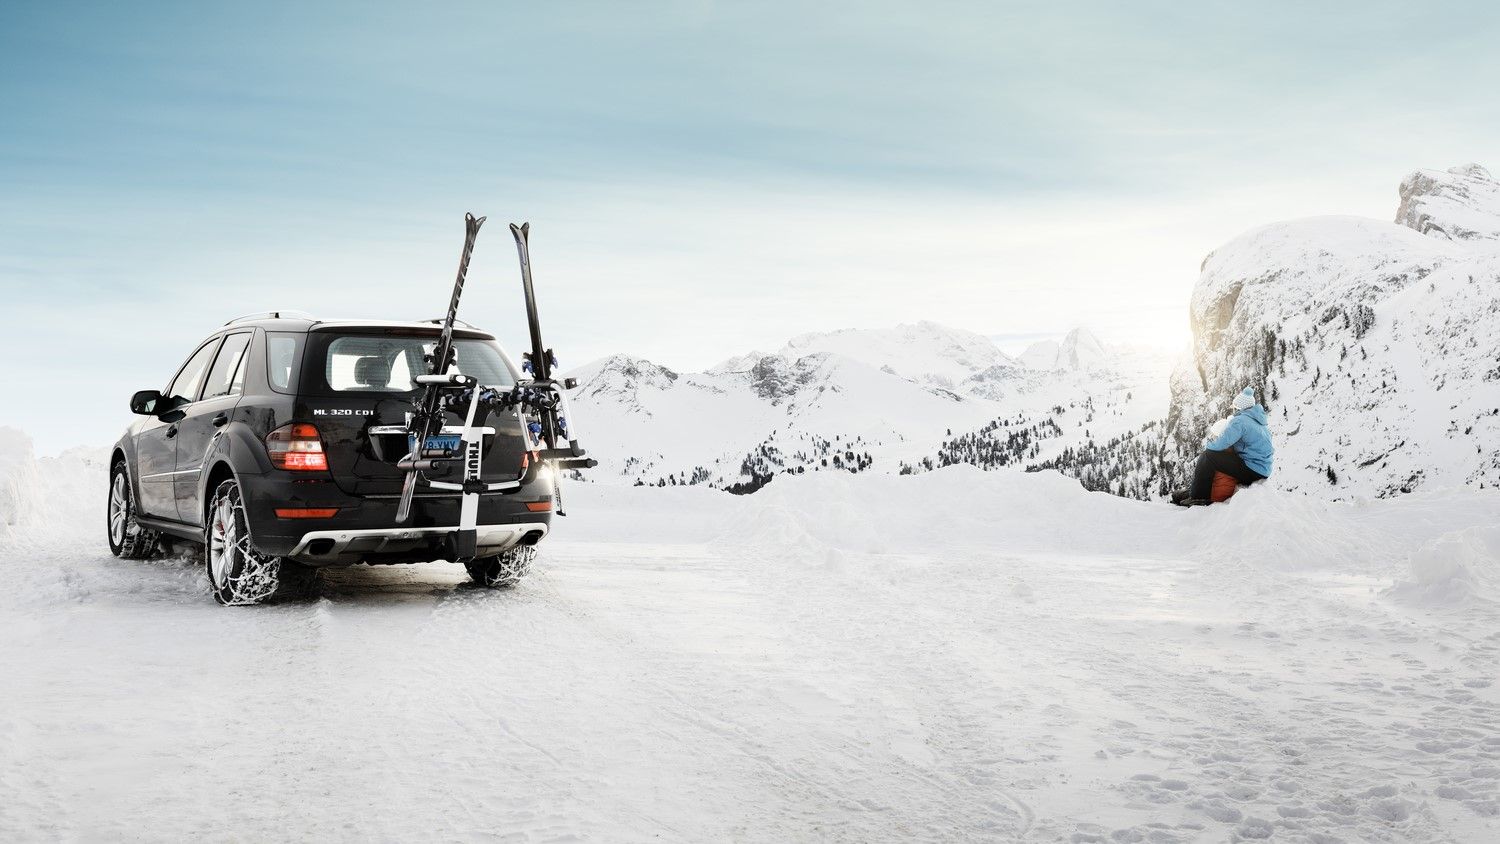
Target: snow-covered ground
[956,655]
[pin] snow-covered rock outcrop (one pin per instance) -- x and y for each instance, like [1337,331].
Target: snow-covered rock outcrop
[1459,203]
[1374,345]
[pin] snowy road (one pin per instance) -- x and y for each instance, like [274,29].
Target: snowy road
[796,686]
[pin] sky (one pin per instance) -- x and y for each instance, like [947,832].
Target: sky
[701,178]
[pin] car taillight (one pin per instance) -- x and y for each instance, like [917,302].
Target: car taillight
[297,447]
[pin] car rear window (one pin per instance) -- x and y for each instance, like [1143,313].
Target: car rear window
[386,364]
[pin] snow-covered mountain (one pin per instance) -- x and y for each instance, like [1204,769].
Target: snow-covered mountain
[1079,350]
[1375,345]
[899,399]
[925,351]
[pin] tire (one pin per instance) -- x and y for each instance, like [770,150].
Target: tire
[127,539]
[238,574]
[503,570]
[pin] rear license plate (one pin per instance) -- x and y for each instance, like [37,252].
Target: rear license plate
[448,441]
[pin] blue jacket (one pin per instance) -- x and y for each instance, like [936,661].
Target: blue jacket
[1248,435]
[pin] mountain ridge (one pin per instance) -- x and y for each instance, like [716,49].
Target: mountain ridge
[884,399]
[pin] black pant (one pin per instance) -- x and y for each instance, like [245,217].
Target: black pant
[1226,461]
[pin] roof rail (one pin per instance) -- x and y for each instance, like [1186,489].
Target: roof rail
[271,315]
[458,322]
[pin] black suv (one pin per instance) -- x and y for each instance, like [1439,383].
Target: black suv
[276,445]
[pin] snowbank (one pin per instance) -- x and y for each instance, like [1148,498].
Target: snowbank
[1435,543]
[955,507]
[40,498]
[963,507]
[1454,569]
[17,470]
[46,504]
[612,513]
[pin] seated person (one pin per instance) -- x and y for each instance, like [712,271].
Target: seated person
[1243,451]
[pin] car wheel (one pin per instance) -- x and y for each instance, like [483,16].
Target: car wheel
[238,573]
[503,570]
[127,539]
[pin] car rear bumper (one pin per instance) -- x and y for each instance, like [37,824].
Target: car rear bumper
[365,528]
[343,547]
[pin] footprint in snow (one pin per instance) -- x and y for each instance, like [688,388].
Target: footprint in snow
[1254,829]
[1339,808]
[1242,792]
[1393,810]
[1218,810]
[1453,792]
[1294,810]
[1088,833]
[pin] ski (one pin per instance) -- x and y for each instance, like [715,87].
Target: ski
[522,234]
[552,414]
[429,415]
[540,361]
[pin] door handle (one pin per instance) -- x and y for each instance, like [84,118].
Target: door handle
[171,431]
[221,420]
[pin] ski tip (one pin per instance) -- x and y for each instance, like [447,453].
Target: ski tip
[520,229]
[471,220]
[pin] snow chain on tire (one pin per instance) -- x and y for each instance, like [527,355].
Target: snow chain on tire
[503,570]
[239,574]
[127,539]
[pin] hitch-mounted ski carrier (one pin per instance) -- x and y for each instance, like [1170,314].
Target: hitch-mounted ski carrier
[541,397]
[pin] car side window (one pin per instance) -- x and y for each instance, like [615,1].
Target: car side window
[185,386]
[223,377]
[283,358]
[239,376]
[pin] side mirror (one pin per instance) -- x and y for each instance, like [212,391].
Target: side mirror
[146,402]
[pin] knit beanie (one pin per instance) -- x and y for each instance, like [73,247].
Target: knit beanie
[1245,400]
